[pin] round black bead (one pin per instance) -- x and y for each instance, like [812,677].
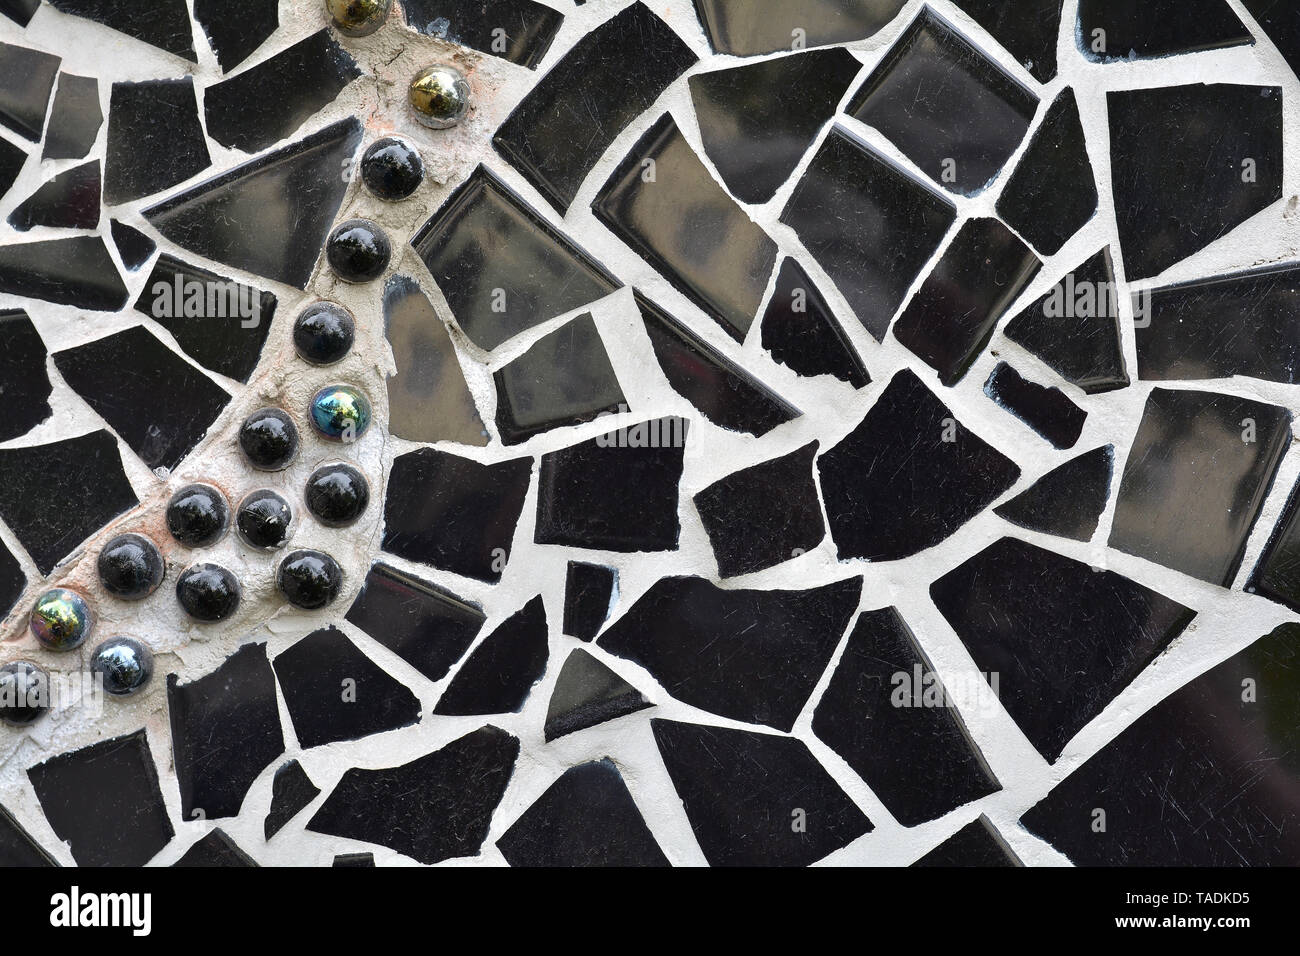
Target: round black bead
[130,567]
[208,592]
[358,250]
[392,168]
[263,520]
[269,439]
[309,579]
[24,693]
[337,495]
[123,664]
[197,516]
[324,333]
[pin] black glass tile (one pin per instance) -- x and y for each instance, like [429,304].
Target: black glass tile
[746,654]
[133,246]
[269,216]
[291,791]
[520,31]
[1026,28]
[1047,411]
[162,23]
[1068,500]
[723,261]
[749,27]
[908,476]
[75,119]
[427,627]
[12,580]
[756,799]
[76,271]
[220,323]
[1053,193]
[12,159]
[615,492]
[1277,575]
[54,496]
[1074,328]
[26,82]
[334,692]
[1278,21]
[589,594]
[17,847]
[499,674]
[950,108]
[917,757]
[1011,604]
[588,693]
[1198,473]
[161,433]
[24,383]
[757,120]
[870,224]
[267,102]
[724,392]
[1141,29]
[454,513]
[434,808]
[428,399]
[952,315]
[140,117]
[564,378]
[586,818]
[68,201]
[236,28]
[609,78]
[800,331]
[1188,165]
[20,11]
[1207,777]
[977,844]
[354,860]
[104,802]
[216,849]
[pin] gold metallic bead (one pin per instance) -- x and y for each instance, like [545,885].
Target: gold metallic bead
[358,18]
[440,97]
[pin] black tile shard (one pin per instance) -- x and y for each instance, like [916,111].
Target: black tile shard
[1198,473]
[112,780]
[216,849]
[614,492]
[20,11]
[17,847]
[757,120]
[1074,328]
[950,108]
[12,581]
[800,331]
[588,693]
[236,28]
[266,103]
[54,496]
[291,791]
[565,378]
[908,476]
[454,513]
[589,594]
[726,394]
[520,31]
[269,216]
[1068,500]
[499,674]
[68,201]
[26,82]
[434,808]
[163,23]
[750,655]
[1188,165]
[905,738]
[12,159]
[750,27]
[1277,574]
[586,818]
[756,799]
[952,315]
[133,246]
[869,223]
[24,383]
[977,844]
[1047,411]
[77,271]
[1117,30]
[1277,19]
[354,860]
[1207,777]
[1027,29]
[155,139]
[225,731]
[502,268]
[609,78]
[1060,639]
[75,119]
[1053,192]
[220,323]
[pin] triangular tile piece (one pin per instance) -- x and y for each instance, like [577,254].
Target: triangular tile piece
[162,23]
[12,581]
[133,246]
[1068,500]
[236,28]
[977,844]
[216,849]
[500,673]
[17,848]
[291,790]
[800,332]
[1116,30]
[11,164]
[588,693]
[68,201]
[20,11]
[1027,29]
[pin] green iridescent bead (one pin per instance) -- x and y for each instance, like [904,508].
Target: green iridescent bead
[358,18]
[340,413]
[61,620]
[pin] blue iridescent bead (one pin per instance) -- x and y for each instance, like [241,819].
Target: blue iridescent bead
[340,413]
[125,665]
[61,620]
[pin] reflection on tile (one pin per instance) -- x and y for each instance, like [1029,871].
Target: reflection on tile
[20,11]
[1140,29]
[12,580]
[749,27]
[950,108]
[588,693]
[75,119]
[1047,411]
[1277,575]
[917,757]
[568,119]
[1027,29]
[140,117]
[26,82]
[133,246]
[236,28]
[590,591]
[1068,500]
[1277,18]
[216,849]
[12,159]
[520,31]
[870,224]
[1005,601]
[801,332]
[745,654]
[977,844]
[163,23]
[744,791]
[1207,777]
[757,120]
[68,201]
[723,261]
[1188,165]
[17,847]
[908,476]
[500,673]
[24,382]
[501,267]
[291,791]
[1197,476]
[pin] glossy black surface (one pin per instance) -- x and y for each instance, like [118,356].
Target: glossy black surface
[291,791]
[1026,28]
[17,847]
[236,28]
[123,664]
[1061,639]
[26,82]
[130,567]
[588,693]
[75,118]
[1068,500]
[1139,29]
[208,592]
[723,261]
[520,31]
[977,844]
[142,117]
[263,520]
[68,201]
[745,654]
[1047,411]
[358,250]
[197,516]
[20,11]
[324,333]
[309,580]
[917,757]
[12,159]
[216,849]
[1193,485]
[354,860]
[801,332]
[952,315]
[894,486]
[269,439]
[1188,165]
[1277,574]
[870,224]
[25,693]
[165,24]
[499,674]
[749,27]
[77,271]
[12,580]
[133,246]
[337,495]
[1277,18]
[589,594]
[24,382]
[392,168]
